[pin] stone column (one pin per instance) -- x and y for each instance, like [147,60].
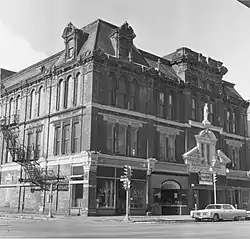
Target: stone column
[150,168]
[89,186]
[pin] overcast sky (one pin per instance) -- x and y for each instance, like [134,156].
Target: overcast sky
[30,30]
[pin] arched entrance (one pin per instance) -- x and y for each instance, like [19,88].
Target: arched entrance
[170,197]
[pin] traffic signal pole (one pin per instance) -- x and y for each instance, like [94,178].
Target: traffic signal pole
[214,180]
[126,180]
[127,201]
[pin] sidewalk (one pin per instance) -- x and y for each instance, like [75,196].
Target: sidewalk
[133,219]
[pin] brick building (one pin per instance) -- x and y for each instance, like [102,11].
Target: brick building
[102,103]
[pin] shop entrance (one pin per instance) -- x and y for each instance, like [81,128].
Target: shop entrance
[170,197]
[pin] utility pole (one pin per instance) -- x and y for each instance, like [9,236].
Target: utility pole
[126,179]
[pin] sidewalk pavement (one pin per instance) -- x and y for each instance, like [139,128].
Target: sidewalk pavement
[98,219]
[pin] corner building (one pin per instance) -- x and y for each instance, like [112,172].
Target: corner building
[102,103]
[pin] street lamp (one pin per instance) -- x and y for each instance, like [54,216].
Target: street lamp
[211,169]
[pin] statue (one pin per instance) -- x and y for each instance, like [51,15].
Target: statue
[205,112]
[205,115]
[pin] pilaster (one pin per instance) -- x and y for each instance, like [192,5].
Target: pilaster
[89,186]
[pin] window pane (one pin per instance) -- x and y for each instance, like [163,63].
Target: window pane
[162,147]
[122,139]
[57,140]
[138,194]
[66,139]
[133,141]
[76,137]
[75,89]
[105,192]
[110,136]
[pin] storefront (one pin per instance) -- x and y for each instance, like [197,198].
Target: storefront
[111,196]
[170,194]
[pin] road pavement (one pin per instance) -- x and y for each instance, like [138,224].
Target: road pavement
[78,227]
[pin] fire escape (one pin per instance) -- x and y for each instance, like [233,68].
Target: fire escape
[28,157]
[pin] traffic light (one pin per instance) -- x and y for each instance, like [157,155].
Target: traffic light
[127,171]
[215,177]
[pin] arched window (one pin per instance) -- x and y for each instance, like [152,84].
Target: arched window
[58,94]
[40,101]
[18,103]
[10,110]
[76,85]
[32,105]
[66,92]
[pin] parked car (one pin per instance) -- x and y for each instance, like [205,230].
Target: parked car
[218,212]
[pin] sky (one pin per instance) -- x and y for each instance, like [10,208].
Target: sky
[30,30]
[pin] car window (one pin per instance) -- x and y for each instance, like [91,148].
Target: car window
[227,207]
[217,206]
[210,207]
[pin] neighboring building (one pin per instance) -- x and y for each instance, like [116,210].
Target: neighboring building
[245,2]
[102,103]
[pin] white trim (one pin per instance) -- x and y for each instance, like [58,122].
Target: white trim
[235,136]
[122,120]
[137,114]
[125,158]
[202,126]
[168,130]
[234,143]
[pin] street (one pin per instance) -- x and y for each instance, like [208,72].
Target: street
[82,228]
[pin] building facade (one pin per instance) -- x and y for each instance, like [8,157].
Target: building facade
[102,103]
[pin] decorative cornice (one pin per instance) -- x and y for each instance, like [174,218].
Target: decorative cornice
[202,126]
[122,120]
[168,130]
[137,114]
[234,143]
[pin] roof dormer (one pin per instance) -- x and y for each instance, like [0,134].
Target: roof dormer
[122,40]
[74,39]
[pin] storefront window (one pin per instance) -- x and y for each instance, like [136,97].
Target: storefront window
[138,195]
[105,192]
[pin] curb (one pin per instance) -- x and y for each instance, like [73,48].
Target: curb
[164,221]
[3,216]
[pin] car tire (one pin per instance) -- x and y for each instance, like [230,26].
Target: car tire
[237,218]
[216,217]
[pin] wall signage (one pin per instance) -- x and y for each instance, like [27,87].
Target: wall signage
[205,178]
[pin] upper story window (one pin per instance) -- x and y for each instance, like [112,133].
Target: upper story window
[167,147]
[211,112]
[170,106]
[76,85]
[161,104]
[66,92]
[209,87]
[193,108]
[32,104]
[59,94]
[132,99]
[18,103]
[231,121]
[121,92]
[40,101]
[70,48]
[67,137]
